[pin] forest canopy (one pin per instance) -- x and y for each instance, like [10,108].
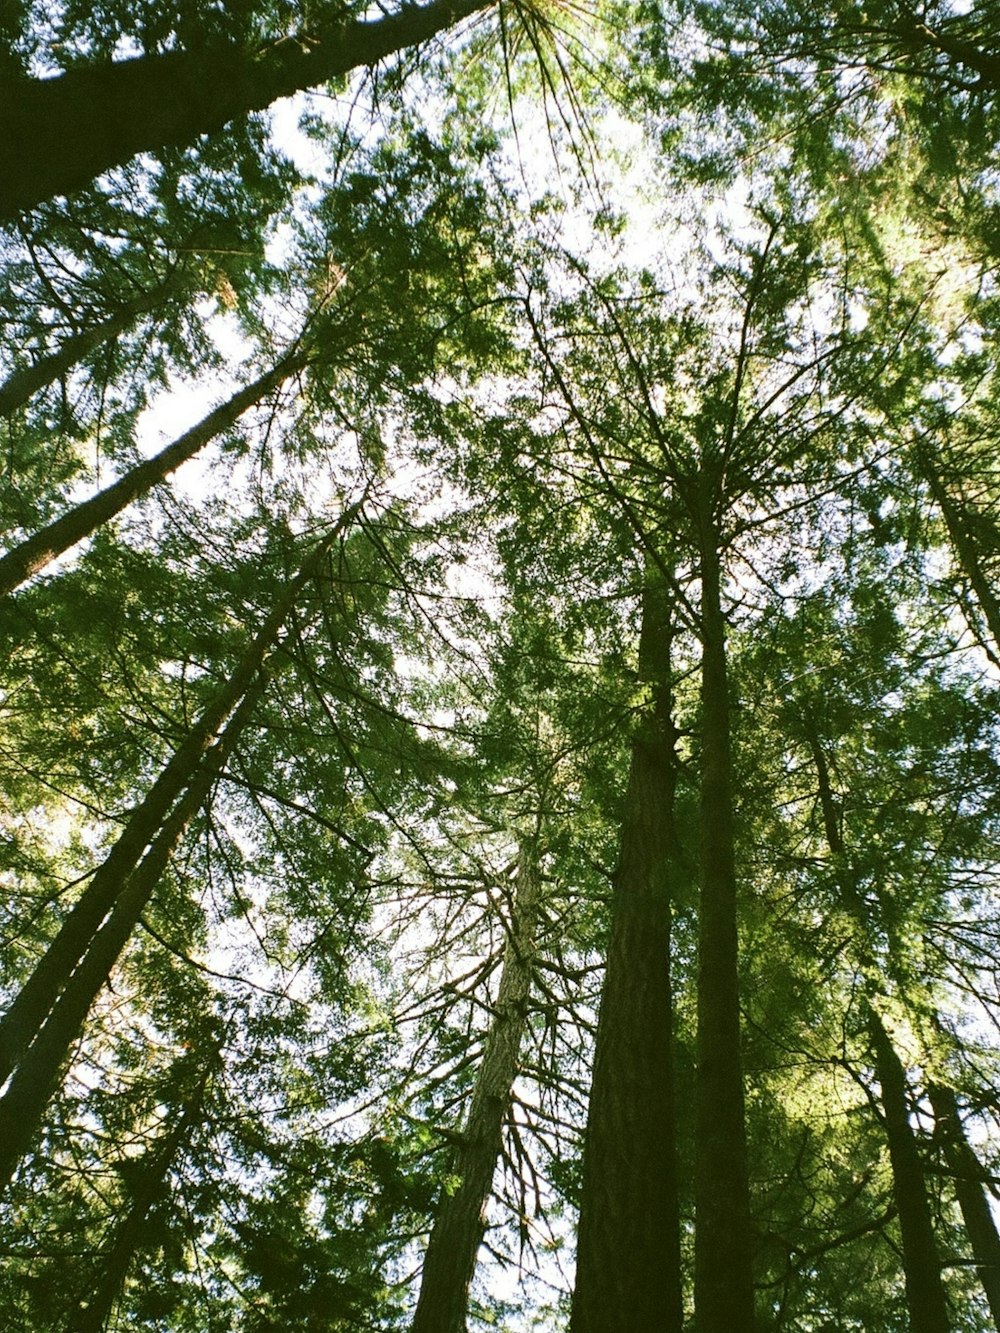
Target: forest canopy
[499,750]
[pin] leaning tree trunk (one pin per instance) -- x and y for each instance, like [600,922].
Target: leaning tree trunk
[35,1077]
[964,546]
[925,1296]
[458,1228]
[92,1315]
[628,1266]
[40,549]
[977,1215]
[23,384]
[84,950]
[56,134]
[724,1300]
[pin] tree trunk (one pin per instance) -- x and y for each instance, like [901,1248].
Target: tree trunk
[628,1267]
[39,550]
[35,1076]
[22,384]
[724,1301]
[93,1316]
[925,1297]
[458,1228]
[972,1200]
[965,549]
[57,134]
[28,1011]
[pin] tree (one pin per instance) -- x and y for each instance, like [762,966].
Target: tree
[628,1240]
[42,1021]
[94,117]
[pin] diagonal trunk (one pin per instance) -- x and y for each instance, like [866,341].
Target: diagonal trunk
[628,1271]
[925,1297]
[57,134]
[977,1215]
[458,1228]
[724,1301]
[34,1079]
[40,549]
[22,384]
[30,1008]
[93,1315]
[964,546]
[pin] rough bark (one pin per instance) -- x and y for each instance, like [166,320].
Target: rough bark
[57,134]
[977,1215]
[925,1296]
[31,1006]
[628,1268]
[724,1301]
[42,547]
[458,1228]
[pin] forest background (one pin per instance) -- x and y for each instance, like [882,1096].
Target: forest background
[499,808]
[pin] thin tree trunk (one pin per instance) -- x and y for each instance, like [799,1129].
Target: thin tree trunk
[628,1267]
[31,1006]
[925,1296]
[724,1300]
[965,549]
[93,1316]
[56,134]
[22,384]
[36,1074]
[458,1228]
[977,1214]
[40,549]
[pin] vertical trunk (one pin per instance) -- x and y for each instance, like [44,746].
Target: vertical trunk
[42,547]
[36,1074]
[925,1297]
[724,1301]
[20,386]
[972,1199]
[30,1008]
[93,1316]
[628,1270]
[458,1228]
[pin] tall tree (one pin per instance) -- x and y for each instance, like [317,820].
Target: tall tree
[628,1267]
[100,114]
[44,1018]
[460,1219]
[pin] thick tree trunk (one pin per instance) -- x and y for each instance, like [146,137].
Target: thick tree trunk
[458,1228]
[28,1011]
[40,549]
[724,1301]
[628,1266]
[57,134]
[925,1297]
[972,1198]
